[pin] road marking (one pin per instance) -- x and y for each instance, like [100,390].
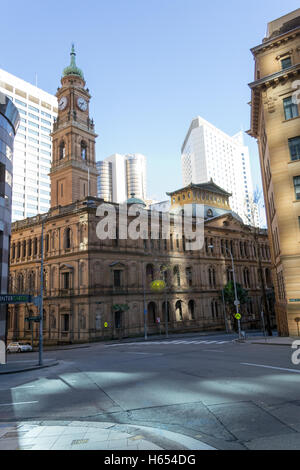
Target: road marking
[271,367]
[19,403]
[165,342]
[24,386]
[213,350]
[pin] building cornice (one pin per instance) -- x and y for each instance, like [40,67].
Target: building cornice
[277,41]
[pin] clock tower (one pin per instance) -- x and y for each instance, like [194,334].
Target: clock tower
[73,171]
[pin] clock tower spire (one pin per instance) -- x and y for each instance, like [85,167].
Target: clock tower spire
[73,171]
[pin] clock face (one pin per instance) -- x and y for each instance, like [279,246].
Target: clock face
[82,104]
[62,103]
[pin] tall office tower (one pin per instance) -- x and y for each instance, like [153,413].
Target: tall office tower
[275,123]
[208,153]
[9,121]
[120,176]
[33,145]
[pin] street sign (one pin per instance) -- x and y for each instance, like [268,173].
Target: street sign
[35,319]
[105,325]
[238,316]
[236,303]
[294,300]
[158,320]
[15,298]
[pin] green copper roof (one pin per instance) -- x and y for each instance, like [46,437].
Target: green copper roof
[135,200]
[72,69]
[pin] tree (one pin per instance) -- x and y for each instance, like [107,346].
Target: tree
[229,297]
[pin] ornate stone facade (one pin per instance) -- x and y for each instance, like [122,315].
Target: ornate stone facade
[275,123]
[96,289]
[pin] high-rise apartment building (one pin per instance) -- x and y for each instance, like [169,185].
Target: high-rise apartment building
[120,176]
[9,121]
[208,153]
[275,123]
[33,145]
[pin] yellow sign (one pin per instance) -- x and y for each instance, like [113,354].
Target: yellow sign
[238,316]
[158,285]
[106,324]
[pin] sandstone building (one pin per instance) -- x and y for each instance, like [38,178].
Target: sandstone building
[95,289]
[275,123]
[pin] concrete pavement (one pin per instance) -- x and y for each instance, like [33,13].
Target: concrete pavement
[80,435]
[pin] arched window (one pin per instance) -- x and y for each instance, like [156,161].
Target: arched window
[164,310]
[268,277]
[31,282]
[229,274]
[189,276]
[29,247]
[83,150]
[212,277]
[176,273]
[67,240]
[149,273]
[35,246]
[62,150]
[191,309]
[152,312]
[47,245]
[178,308]
[20,283]
[246,277]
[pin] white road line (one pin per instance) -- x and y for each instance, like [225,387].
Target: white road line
[23,386]
[297,371]
[20,403]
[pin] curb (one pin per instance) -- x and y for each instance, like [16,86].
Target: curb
[272,344]
[27,369]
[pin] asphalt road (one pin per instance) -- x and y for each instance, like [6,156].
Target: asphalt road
[230,395]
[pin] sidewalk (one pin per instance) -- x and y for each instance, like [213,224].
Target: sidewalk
[25,366]
[78,435]
[275,340]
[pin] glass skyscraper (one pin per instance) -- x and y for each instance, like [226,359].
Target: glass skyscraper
[33,145]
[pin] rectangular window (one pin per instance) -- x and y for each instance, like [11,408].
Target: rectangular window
[2,180]
[297,187]
[66,280]
[33,116]
[117,278]
[33,108]
[286,63]
[65,322]
[290,108]
[294,146]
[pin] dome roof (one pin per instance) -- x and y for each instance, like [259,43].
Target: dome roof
[135,200]
[72,69]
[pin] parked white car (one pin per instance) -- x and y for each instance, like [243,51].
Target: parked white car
[18,347]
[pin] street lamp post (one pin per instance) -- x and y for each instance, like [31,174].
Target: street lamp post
[145,308]
[236,301]
[41,296]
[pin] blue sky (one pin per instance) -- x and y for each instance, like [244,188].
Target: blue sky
[151,67]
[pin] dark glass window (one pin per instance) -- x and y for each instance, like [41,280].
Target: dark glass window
[117,278]
[297,187]
[294,145]
[66,280]
[285,63]
[290,108]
